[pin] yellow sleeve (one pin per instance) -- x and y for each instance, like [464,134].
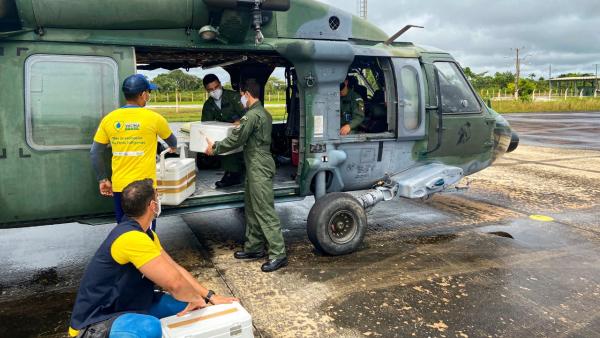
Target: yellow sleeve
[162,127]
[73,332]
[157,241]
[135,247]
[101,136]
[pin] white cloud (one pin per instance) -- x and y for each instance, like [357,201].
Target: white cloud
[481,33]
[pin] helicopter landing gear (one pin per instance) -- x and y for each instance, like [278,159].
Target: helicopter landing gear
[337,223]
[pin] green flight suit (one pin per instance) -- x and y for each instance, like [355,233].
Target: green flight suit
[262,222]
[231,110]
[352,110]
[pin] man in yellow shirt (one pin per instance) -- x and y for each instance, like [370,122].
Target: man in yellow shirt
[132,132]
[116,297]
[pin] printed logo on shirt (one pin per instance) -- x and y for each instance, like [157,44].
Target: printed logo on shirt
[119,126]
[132,126]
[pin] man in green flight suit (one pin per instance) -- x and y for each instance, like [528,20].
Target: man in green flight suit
[224,106]
[352,109]
[262,222]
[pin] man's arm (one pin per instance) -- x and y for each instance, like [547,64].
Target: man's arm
[97,161]
[358,115]
[207,112]
[172,142]
[238,137]
[162,272]
[104,183]
[214,299]
[164,132]
[199,288]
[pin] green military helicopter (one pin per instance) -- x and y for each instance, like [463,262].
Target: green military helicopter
[62,63]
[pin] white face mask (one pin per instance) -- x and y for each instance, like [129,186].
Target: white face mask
[159,205]
[244,101]
[217,94]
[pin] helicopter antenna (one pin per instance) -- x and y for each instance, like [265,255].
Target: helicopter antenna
[400,32]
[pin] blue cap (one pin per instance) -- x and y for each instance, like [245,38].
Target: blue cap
[137,83]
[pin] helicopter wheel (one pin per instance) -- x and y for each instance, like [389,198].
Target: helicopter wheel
[336,224]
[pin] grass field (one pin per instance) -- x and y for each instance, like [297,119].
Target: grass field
[187,114]
[201,102]
[195,114]
[559,105]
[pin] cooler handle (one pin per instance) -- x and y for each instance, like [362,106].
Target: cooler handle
[182,151]
[163,167]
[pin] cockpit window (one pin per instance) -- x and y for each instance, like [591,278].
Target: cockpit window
[457,96]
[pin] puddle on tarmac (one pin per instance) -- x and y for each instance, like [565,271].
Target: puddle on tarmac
[46,277]
[40,315]
[501,234]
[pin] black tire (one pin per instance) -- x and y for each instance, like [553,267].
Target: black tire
[336,224]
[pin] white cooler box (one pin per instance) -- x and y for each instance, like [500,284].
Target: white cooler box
[216,131]
[225,320]
[176,178]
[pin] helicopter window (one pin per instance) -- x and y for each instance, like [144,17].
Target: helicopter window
[65,98]
[410,97]
[457,96]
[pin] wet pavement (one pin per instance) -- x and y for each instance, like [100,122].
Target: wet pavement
[481,263]
[568,130]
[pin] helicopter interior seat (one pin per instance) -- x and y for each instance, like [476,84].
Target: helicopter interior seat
[362,91]
[377,117]
[358,88]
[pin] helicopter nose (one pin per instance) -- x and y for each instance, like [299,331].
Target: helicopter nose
[514,142]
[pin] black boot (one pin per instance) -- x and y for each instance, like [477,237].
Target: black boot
[224,182]
[229,179]
[235,178]
[249,255]
[274,264]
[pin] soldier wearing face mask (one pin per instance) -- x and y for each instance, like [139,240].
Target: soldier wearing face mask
[263,227]
[224,106]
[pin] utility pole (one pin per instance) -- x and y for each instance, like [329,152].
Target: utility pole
[362,9]
[596,82]
[550,81]
[517,74]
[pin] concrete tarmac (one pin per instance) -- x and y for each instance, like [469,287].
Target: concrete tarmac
[515,255]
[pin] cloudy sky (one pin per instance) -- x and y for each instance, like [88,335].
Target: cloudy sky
[483,34]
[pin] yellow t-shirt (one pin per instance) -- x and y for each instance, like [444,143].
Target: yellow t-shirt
[135,247]
[132,134]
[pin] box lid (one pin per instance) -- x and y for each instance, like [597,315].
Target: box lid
[209,321]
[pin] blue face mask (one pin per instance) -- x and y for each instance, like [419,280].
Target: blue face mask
[244,101]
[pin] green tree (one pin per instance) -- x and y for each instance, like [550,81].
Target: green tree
[178,80]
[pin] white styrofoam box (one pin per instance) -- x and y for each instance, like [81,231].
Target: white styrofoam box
[224,320]
[176,178]
[216,131]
